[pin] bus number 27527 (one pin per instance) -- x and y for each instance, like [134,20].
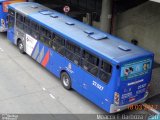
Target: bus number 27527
[97,85]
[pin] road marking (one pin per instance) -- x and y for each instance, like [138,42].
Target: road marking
[151,108]
[44,89]
[1,50]
[52,96]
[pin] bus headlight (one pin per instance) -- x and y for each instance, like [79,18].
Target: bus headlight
[116,98]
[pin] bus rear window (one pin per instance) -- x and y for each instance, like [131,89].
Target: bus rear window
[135,69]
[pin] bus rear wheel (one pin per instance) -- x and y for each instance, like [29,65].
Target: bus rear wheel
[21,47]
[66,80]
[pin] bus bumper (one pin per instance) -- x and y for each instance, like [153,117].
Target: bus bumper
[3,29]
[114,108]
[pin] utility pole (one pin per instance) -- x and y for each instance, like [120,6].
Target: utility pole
[105,19]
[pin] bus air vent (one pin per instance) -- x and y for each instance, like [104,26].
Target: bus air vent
[98,36]
[124,48]
[46,12]
[88,31]
[34,6]
[54,16]
[70,23]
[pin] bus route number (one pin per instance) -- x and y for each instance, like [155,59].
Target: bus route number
[97,86]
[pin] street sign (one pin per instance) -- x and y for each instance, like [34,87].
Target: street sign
[66,9]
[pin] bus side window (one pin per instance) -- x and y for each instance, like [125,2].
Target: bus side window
[11,21]
[20,17]
[19,21]
[34,28]
[27,25]
[45,36]
[105,72]
[73,52]
[90,63]
[11,18]
[45,32]
[34,34]
[48,34]
[11,12]
[26,21]
[58,44]
[42,34]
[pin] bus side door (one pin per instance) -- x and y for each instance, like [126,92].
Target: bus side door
[11,24]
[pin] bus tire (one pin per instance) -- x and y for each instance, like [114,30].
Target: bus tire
[21,46]
[66,80]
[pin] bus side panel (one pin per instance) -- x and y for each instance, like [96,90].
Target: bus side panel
[13,33]
[92,88]
[41,52]
[43,55]
[57,63]
[10,34]
[97,91]
[82,81]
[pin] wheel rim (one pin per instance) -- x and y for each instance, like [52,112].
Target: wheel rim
[65,80]
[20,46]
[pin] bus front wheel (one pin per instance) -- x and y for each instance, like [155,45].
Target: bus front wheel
[21,47]
[66,80]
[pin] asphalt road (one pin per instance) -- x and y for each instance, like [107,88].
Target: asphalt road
[27,88]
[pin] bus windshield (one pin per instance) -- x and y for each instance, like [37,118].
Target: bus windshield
[135,69]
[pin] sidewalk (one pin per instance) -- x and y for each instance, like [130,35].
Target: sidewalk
[154,100]
[155,82]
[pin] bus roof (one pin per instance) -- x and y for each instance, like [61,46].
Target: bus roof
[102,44]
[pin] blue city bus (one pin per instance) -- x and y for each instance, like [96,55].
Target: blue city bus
[3,13]
[110,72]
[3,17]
